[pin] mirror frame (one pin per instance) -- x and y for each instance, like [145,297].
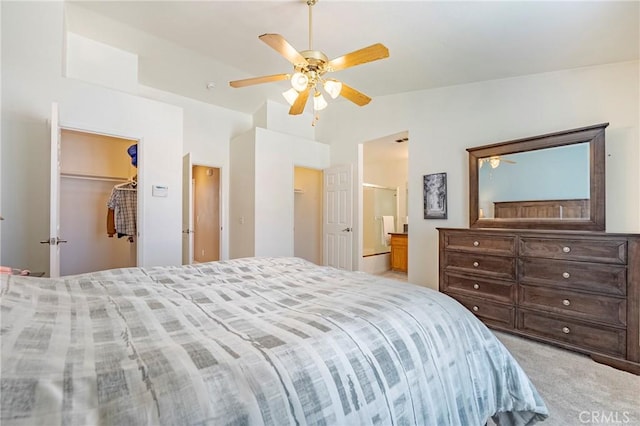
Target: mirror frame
[594,135]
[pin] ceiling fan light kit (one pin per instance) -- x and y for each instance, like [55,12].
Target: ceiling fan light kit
[290,95]
[494,161]
[299,81]
[309,68]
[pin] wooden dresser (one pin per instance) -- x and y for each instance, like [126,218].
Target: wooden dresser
[578,290]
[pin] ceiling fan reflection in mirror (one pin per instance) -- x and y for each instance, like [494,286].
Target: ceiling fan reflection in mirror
[494,161]
[309,70]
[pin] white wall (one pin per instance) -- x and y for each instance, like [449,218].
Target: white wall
[242,199]
[207,132]
[32,60]
[100,64]
[32,69]
[275,116]
[276,156]
[444,122]
[262,198]
[441,122]
[158,127]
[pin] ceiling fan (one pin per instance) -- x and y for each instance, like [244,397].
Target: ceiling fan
[309,69]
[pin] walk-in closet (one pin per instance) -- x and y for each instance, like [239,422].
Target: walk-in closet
[92,167]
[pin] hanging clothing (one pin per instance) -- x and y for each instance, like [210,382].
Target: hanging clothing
[122,211]
[111,222]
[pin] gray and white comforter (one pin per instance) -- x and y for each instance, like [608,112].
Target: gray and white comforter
[273,341]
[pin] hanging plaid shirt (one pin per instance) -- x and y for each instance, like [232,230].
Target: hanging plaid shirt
[124,203]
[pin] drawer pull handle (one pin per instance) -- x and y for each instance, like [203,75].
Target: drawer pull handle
[476,286]
[566,249]
[566,275]
[476,264]
[476,244]
[566,330]
[475,308]
[566,302]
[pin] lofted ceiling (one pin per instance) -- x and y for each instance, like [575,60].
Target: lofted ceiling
[185,46]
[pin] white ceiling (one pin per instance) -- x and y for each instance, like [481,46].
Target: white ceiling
[183,45]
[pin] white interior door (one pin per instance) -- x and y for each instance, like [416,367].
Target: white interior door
[54,198]
[338,217]
[187,210]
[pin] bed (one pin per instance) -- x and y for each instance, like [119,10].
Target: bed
[253,341]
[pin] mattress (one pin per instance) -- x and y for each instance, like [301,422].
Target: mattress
[252,341]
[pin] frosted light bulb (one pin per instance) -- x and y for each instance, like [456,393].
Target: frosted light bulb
[333,88]
[299,81]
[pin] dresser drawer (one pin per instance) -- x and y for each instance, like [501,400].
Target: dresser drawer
[481,243]
[480,287]
[604,250]
[604,278]
[606,340]
[490,313]
[602,309]
[476,264]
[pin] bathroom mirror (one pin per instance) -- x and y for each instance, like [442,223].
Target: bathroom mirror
[552,181]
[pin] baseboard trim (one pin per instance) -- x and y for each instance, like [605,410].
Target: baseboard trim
[620,364]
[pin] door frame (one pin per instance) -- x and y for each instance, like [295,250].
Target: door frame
[221,203]
[56,192]
[357,225]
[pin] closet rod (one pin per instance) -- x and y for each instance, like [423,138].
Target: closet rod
[93,177]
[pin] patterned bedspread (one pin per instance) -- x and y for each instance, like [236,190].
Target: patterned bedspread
[273,341]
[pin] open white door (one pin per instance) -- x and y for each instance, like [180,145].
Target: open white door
[337,218]
[54,198]
[187,213]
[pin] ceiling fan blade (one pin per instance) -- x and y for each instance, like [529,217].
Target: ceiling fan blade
[282,46]
[357,57]
[259,80]
[354,96]
[301,100]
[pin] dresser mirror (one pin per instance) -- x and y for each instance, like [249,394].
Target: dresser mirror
[552,181]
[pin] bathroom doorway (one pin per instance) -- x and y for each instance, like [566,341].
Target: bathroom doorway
[383,194]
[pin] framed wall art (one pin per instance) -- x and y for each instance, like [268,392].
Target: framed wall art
[435,196]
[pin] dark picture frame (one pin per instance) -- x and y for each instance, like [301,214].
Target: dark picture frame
[435,196]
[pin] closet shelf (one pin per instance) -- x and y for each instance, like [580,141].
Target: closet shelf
[94,177]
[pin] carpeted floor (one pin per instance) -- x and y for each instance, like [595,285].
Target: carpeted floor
[576,389]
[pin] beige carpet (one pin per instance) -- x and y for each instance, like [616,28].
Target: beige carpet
[576,389]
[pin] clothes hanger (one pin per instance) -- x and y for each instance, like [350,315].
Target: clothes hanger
[125,187]
[130,185]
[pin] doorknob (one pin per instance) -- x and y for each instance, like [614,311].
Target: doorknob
[346,230]
[53,240]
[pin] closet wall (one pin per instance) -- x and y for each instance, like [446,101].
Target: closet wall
[91,165]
